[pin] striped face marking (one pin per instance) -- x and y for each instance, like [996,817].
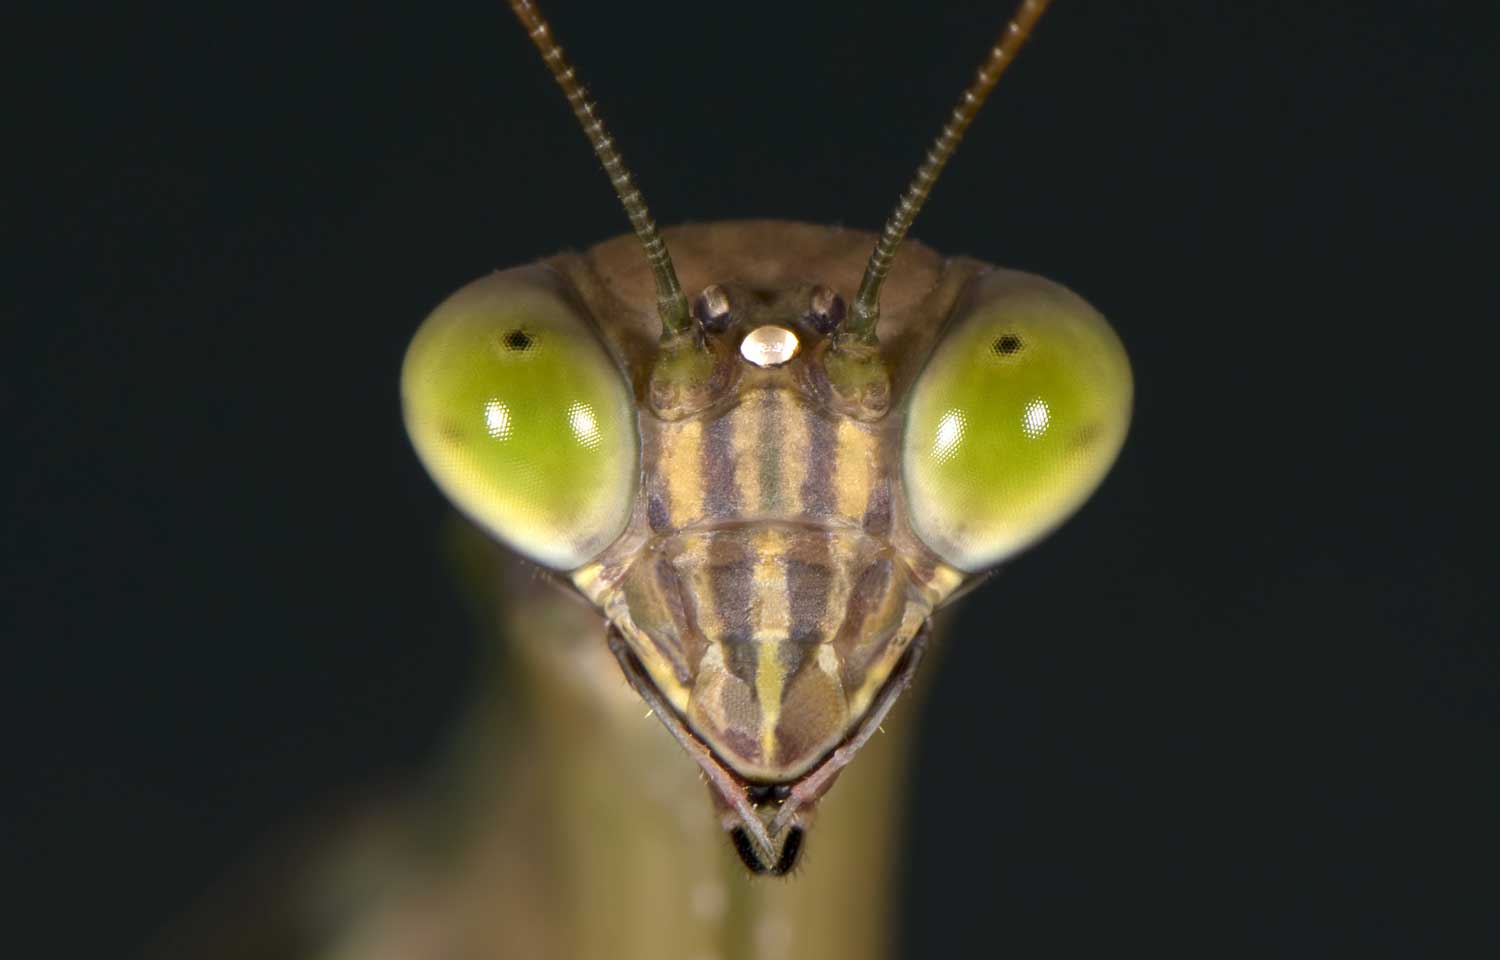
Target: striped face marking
[766,599]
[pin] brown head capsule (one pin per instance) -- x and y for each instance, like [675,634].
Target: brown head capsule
[770,541]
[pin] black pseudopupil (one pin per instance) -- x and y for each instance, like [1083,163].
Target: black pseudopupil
[1007,344]
[518,340]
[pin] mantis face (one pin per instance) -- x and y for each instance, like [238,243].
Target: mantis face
[765,501]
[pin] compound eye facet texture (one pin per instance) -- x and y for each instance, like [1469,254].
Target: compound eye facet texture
[523,418]
[1014,421]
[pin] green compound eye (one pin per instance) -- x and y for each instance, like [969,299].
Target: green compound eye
[1015,420]
[522,417]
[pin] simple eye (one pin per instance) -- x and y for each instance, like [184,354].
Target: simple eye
[522,417]
[1015,420]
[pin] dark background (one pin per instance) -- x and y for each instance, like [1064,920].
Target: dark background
[1247,699]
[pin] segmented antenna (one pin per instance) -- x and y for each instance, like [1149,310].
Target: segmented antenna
[670,303]
[865,312]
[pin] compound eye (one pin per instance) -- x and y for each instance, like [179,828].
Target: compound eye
[523,418]
[1014,421]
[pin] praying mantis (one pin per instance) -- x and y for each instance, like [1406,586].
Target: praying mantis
[762,455]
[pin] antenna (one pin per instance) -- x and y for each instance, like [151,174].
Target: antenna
[670,303]
[865,312]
